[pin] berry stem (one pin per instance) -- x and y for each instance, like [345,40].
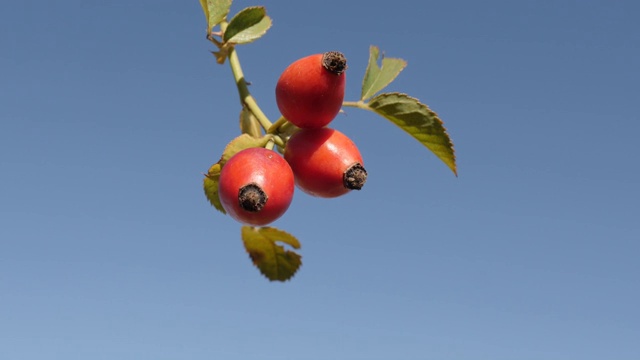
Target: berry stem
[286,127]
[243,90]
[278,141]
[274,129]
[270,144]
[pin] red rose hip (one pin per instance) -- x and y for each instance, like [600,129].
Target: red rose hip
[325,162]
[310,91]
[256,186]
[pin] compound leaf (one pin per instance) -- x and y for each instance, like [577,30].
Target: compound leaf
[418,121]
[247,25]
[273,260]
[377,77]
[215,11]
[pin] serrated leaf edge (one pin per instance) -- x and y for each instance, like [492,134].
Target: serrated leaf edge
[211,202]
[256,37]
[454,167]
[229,40]
[205,8]
[379,57]
[274,245]
[372,61]
[294,244]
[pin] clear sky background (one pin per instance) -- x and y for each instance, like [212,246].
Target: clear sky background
[110,111]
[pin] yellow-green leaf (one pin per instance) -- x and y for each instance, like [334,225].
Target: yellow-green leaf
[273,260]
[418,121]
[247,25]
[211,187]
[377,77]
[240,143]
[215,11]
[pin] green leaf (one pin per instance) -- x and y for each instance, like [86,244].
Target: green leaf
[248,25]
[377,77]
[215,11]
[211,187]
[240,143]
[273,261]
[418,121]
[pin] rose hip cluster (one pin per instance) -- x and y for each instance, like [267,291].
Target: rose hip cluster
[256,185]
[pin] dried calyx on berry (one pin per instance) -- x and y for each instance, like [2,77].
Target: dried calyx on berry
[325,162]
[334,61]
[256,186]
[252,198]
[355,177]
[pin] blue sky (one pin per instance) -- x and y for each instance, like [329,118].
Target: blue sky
[110,112]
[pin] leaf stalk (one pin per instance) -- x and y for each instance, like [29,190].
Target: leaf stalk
[357,104]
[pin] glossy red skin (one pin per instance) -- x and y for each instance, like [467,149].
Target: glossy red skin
[308,95]
[319,158]
[265,168]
